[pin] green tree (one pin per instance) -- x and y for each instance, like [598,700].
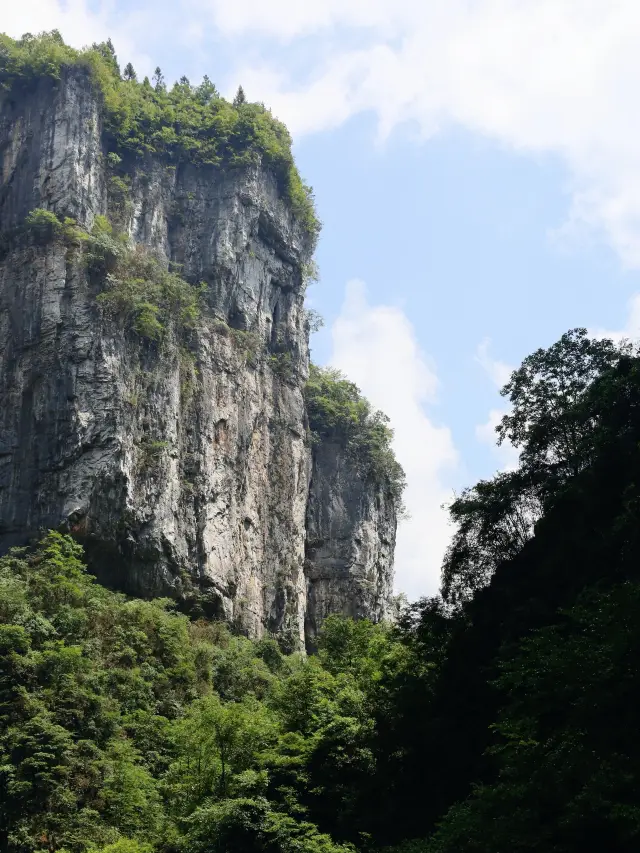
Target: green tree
[129,792]
[550,423]
[206,92]
[158,80]
[215,743]
[545,393]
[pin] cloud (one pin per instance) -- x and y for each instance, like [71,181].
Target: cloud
[73,18]
[376,346]
[497,371]
[631,328]
[555,77]
[506,455]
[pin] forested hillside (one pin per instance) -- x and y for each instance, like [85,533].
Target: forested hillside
[499,717]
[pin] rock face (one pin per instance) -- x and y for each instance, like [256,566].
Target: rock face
[351,535]
[183,471]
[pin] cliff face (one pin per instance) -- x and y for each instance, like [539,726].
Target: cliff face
[351,535]
[183,468]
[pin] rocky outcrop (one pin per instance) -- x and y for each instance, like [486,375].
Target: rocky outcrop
[184,467]
[351,534]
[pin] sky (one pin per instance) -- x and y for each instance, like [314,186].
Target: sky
[476,165]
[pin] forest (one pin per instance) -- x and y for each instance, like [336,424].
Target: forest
[496,717]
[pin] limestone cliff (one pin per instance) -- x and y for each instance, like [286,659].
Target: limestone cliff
[351,535]
[182,462]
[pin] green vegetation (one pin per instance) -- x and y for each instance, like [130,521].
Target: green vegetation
[44,225]
[283,365]
[146,295]
[519,734]
[185,122]
[499,717]
[137,289]
[338,412]
[125,727]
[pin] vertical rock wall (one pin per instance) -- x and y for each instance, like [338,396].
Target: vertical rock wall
[351,535]
[181,480]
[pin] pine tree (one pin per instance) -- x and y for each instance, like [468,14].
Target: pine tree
[158,80]
[240,97]
[206,91]
[130,72]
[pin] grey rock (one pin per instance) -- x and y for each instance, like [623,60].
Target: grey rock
[190,482]
[351,536]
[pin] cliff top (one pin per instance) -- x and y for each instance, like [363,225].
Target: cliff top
[183,122]
[338,412]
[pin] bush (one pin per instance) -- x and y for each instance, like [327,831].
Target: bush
[338,412]
[43,225]
[140,290]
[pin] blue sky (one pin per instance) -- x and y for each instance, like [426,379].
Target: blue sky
[476,165]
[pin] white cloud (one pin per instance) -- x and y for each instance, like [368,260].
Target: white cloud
[631,328]
[73,18]
[506,455]
[375,345]
[540,76]
[497,371]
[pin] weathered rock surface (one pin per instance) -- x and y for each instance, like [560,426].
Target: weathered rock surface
[177,480]
[351,535]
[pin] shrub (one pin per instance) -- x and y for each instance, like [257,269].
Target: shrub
[338,412]
[43,225]
[140,290]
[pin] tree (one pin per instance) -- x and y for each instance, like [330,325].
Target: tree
[545,419]
[215,743]
[551,424]
[568,779]
[129,72]
[107,51]
[158,80]
[249,826]
[494,520]
[130,794]
[240,98]
[206,92]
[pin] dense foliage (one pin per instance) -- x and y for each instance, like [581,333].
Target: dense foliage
[123,724]
[185,122]
[338,411]
[523,737]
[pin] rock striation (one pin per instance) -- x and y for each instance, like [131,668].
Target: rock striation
[351,535]
[184,466]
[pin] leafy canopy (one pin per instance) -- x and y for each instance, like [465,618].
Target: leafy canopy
[126,728]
